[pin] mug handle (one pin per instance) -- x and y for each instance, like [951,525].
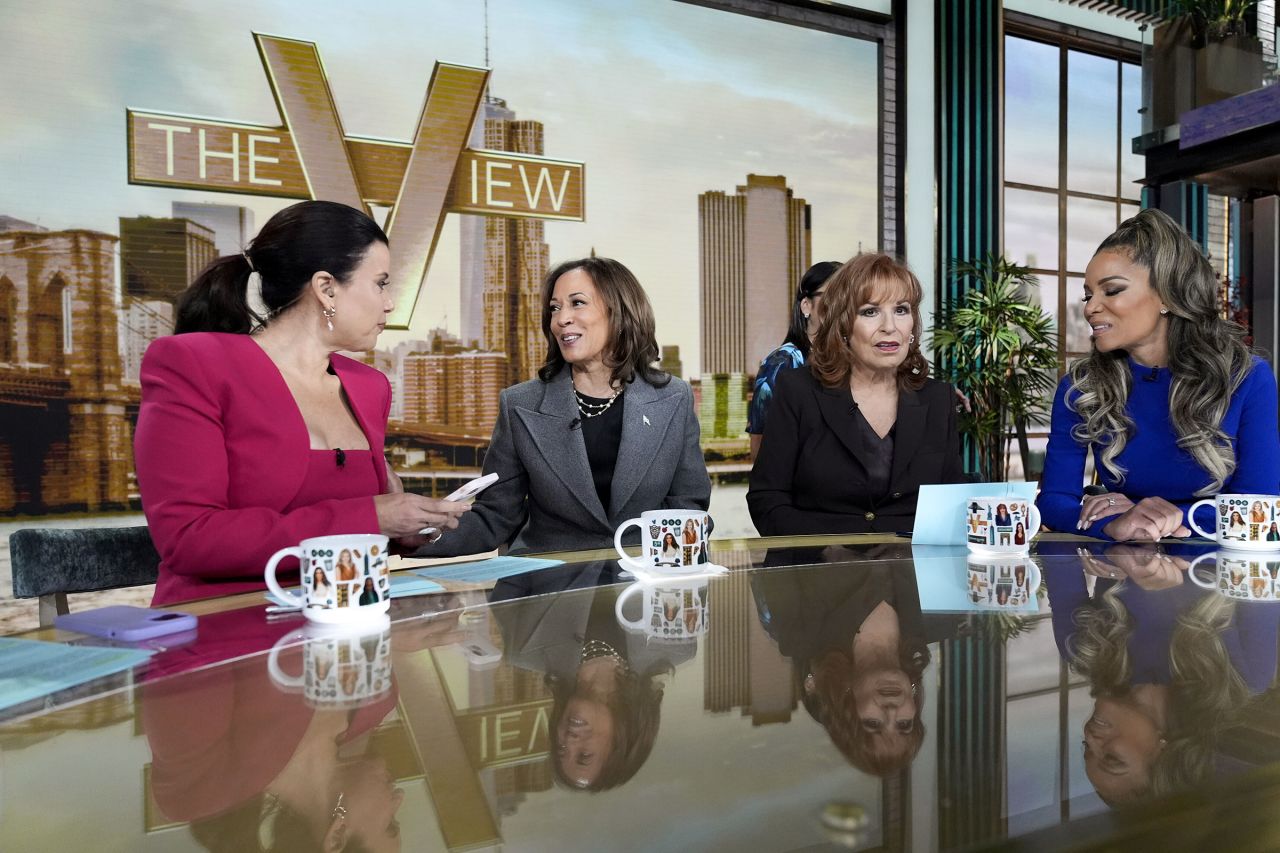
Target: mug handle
[297,600]
[1191,518]
[617,539]
[1191,571]
[617,607]
[1033,512]
[278,675]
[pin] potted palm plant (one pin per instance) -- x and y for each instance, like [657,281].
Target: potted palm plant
[1000,349]
[1202,54]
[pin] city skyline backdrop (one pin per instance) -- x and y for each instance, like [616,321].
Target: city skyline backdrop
[689,108]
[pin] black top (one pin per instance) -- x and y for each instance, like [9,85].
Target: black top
[878,459]
[602,435]
[821,467]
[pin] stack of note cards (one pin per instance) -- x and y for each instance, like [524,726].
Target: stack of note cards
[30,669]
[485,571]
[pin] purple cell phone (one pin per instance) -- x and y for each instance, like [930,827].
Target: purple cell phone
[127,623]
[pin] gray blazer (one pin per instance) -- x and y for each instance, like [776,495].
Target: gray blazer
[546,499]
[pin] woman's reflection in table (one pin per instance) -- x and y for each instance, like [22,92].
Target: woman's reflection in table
[254,767]
[858,651]
[1170,666]
[606,683]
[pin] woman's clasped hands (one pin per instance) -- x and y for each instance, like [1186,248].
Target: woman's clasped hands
[1149,520]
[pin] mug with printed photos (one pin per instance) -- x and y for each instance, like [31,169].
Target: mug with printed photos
[345,579]
[673,612]
[1244,522]
[1240,577]
[340,670]
[1003,583]
[670,539]
[1003,525]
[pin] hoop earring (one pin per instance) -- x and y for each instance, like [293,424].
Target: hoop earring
[911,340]
[329,314]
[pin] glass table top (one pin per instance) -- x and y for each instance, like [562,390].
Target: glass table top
[834,694]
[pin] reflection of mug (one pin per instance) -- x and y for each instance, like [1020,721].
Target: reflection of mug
[1006,583]
[340,671]
[676,538]
[1239,577]
[1000,525]
[669,612]
[1244,522]
[343,577]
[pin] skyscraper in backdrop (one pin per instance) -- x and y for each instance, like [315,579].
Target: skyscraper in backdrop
[504,259]
[753,246]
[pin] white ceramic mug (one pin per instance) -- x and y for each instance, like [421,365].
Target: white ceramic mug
[672,611]
[1240,577]
[1003,525]
[1003,583]
[669,538]
[1244,522]
[341,670]
[345,579]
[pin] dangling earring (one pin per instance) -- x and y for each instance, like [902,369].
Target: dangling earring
[329,314]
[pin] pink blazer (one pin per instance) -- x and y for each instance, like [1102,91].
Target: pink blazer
[221,449]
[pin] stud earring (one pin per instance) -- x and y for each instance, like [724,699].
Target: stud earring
[1164,310]
[329,314]
[806,318]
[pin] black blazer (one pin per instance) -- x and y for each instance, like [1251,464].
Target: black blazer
[809,476]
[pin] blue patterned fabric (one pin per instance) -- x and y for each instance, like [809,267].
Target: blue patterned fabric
[784,357]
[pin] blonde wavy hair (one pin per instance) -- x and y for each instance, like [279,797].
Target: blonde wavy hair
[1207,693]
[1207,355]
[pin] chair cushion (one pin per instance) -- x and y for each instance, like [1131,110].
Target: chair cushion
[48,560]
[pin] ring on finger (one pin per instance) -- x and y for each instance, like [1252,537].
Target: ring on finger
[1111,501]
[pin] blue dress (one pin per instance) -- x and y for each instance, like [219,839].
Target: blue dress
[1155,465]
[784,357]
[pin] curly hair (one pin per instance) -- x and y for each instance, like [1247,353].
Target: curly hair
[856,283]
[1207,355]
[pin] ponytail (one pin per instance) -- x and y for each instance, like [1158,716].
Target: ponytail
[297,242]
[218,300]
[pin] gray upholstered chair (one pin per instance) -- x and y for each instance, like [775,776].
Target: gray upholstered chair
[51,562]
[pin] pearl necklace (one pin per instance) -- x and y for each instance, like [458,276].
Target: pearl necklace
[592,410]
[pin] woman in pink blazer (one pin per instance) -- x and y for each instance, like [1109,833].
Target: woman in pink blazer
[253,432]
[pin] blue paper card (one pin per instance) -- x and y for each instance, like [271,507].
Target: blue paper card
[483,571]
[30,669]
[940,510]
[402,586]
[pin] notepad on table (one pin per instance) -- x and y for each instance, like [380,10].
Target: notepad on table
[30,669]
[483,571]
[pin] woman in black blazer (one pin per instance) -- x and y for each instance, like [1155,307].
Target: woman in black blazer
[853,435]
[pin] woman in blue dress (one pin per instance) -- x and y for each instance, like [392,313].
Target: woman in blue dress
[794,350]
[1170,402]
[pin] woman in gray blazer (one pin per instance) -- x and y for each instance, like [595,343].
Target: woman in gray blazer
[599,437]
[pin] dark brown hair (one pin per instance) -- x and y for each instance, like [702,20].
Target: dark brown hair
[295,244]
[633,347]
[849,288]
